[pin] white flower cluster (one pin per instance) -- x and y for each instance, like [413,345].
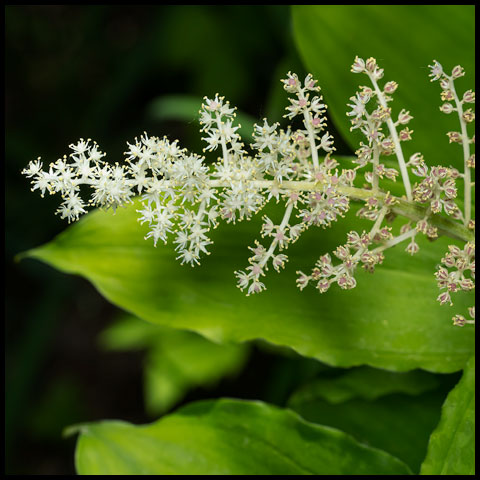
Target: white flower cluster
[83,167]
[183,197]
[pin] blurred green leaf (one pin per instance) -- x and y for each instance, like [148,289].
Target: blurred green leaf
[185,108]
[390,320]
[451,450]
[392,411]
[365,383]
[226,437]
[404,39]
[177,360]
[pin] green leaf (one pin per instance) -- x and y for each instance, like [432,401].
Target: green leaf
[176,361]
[185,108]
[404,39]
[390,320]
[366,383]
[451,450]
[393,411]
[227,437]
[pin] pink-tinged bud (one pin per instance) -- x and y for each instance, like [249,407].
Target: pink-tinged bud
[358,65]
[316,122]
[302,280]
[391,174]
[439,172]
[405,228]
[444,298]
[416,160]
[444,84]
[461,264]
[390,87]
[404,117]
[469,96]
[467,284]
[447,108]
[471,161]
[454,250]
[421,171]
[341,252]
[458,72]
[452,287]
[388,144]
[422,226]
[448,260]
[349,175]
[412,248]
[441,274]
[450,207]
[469,115]
[454,137]
[323,285]
[353,237]
[325,259]
[371,64]
[469,249]
[405,134]
[436,206]
[447,96]
[378,73]
[450,191]
[459,320]
[432,232]
[436,71]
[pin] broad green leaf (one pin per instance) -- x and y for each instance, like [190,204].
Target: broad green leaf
[393,411]
[366,383]
[390,320]
[451,450]
[185,108]
[404,39]
[176,360]
[227,437]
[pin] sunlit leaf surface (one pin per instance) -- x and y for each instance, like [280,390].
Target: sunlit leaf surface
[390,320]
[227,437]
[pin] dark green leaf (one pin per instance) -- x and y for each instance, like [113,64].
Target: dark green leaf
[451,450]
[393,411]
[404,39]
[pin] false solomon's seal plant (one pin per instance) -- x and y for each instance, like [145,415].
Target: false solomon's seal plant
[184,197]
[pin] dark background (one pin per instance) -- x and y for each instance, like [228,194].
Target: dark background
[93,72]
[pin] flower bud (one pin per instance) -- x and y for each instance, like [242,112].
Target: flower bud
[469,96]
[358,65]
[458,72]
[447,108]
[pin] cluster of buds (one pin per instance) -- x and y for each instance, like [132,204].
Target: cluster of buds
[437,189]
[456,273]
[354,252]
[372,122]
[183,197]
